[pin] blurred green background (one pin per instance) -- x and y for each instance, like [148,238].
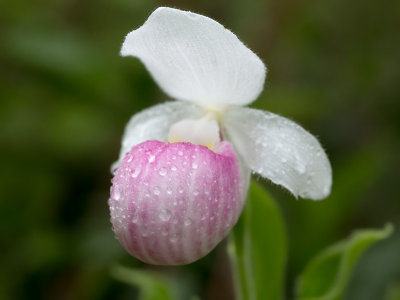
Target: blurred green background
[65,96]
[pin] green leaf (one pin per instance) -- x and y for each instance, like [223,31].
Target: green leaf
[393,292]
[152,286]
[258,248]
[327,275]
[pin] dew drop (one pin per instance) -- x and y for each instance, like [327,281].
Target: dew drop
[163,172]
[173,168]
[195,192]
[300,168]
[165,215]
[169,191]
[164,232]
[117,195]
[151,158]
[173,238]
[283,160]
[156,190]
[135,218]
[130,158]
[194,165]
[136,172]
[187,221]
[145,231]
[180,153]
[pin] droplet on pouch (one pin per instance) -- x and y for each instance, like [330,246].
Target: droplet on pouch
[187,221]
[156,190]
[136,172]
[165,215]
[174,237]
[163,172]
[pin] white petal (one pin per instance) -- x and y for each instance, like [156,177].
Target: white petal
[280,150]
[194,58]
[154,123]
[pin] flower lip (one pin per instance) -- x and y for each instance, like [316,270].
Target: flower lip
[172,203]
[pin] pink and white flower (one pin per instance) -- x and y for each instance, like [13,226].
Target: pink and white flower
[184,166]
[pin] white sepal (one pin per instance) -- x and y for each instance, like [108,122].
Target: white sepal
[194,58]
[280,150]
[154,123]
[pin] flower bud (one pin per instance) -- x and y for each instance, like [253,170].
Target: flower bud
[172,203]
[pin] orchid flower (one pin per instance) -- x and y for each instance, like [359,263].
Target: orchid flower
[183,173]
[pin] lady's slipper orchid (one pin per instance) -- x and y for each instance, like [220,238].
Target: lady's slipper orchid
[184,167]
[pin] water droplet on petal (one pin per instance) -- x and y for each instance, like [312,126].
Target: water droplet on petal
[136,172]
[156,190]
[173,168]
[165,215]
[163,172]
[169,191]
[151,158]
[145,231]
[300,168]
[194,165]
[195,192]
[187,221]
[174,237]
[135,218]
